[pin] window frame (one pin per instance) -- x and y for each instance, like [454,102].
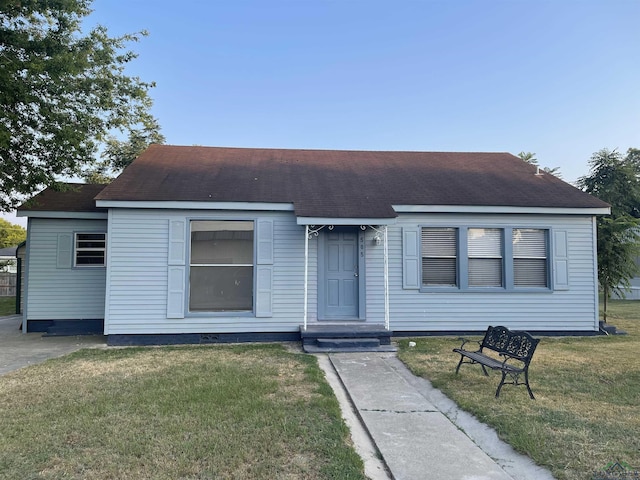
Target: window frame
[440,287]
[547,232]
[508,272]
[502,259]
[77,249]
[189,265]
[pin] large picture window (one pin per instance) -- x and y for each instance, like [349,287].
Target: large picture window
[440,256]
[90,249]
[485,257]
[530,258]
[221,266]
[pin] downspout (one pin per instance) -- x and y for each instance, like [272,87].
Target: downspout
[306,269]
[386,281]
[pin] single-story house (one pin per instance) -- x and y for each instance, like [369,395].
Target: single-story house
[197,244]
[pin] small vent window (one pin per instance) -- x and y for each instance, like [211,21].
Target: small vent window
[90,249]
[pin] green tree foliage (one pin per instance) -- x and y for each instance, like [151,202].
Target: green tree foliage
[118,154]
[530,157]
[11,235]
[63,92]
[615,179]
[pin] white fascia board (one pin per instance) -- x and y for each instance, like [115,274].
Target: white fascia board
[174,205]
[78,215]
[344,221]
[499,209]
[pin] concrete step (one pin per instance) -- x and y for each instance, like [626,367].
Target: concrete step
[347,342]
[380,349]
[337,345]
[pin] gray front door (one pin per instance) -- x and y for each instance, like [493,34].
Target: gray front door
[341,276]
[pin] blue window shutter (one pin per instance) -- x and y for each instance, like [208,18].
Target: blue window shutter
[264,237]
[264,268]
[64,258]
[560,260]
[264,291]
[411,258]
[177,242]
[175,291]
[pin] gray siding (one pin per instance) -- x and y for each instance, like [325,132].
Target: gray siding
[411,310]
[55,293]
[138,249]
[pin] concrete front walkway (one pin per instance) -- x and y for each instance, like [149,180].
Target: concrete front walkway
[19,350]
[419,432]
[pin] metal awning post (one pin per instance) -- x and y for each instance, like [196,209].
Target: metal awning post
[306,270]
[387,325]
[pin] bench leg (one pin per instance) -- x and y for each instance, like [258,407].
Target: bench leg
[526,382]
[484,369]
[459,363]
[515,382]
[504,375]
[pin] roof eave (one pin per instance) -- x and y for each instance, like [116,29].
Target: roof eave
[501,209]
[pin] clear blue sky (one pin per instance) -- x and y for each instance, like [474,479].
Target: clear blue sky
[558,78]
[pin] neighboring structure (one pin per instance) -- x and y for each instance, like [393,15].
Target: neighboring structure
[633,291]
[195,243]
[8,272]
[8,261]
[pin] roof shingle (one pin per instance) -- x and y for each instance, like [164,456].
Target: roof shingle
[65,197]
[340,183]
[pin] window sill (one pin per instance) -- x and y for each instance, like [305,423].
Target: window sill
[229,313]
[485,290]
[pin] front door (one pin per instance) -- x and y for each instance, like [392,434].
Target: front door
[341,274]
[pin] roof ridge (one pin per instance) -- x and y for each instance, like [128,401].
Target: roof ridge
[356,150]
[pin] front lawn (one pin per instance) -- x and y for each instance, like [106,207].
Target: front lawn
[7,306]
[228,412]
[587,408]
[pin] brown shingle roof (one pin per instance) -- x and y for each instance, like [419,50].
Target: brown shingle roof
[340,184]
[65,197]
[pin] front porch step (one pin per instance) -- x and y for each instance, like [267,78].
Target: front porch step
[347,342]
[347,337]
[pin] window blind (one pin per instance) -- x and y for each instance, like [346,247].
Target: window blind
[530,258]
[439,256]
[485,257]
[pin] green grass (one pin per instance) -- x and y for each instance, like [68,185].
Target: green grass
[7,306]
[228,412]
[587,408]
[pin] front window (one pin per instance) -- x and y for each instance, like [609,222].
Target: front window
[90,249]
[530,257]
[485,257]
[221,266]
[440,257]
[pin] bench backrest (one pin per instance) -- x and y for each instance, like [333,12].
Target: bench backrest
[519,345]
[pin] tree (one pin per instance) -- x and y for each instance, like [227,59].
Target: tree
[11,234]
[616,180]
[63,93]
[118,154]
[530,157]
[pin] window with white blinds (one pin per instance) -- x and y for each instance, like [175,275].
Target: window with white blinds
[440,256]
[530,258]
[479,259]
[484,247]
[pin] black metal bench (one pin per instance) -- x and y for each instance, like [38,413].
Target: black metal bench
[512,346]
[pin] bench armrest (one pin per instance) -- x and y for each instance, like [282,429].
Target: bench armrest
[508,357]
[465,341]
